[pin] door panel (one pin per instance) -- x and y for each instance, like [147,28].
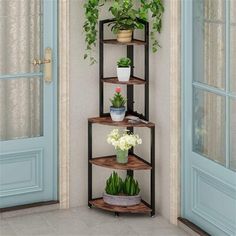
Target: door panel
[209,115]
[21,35]
[21,103]
[28,104]
[233,134]
[209,125]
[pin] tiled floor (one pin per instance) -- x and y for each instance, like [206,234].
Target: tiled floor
[83,221]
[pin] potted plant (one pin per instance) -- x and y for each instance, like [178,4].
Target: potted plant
[123,69]
[121,193]
[117,109]
[126,17]
[122,143]
[125,20]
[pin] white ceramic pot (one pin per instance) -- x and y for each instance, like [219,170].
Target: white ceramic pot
[124,36]
[117,114]
[123,73]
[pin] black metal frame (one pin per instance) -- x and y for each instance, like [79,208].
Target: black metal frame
[130,110]
[130,88]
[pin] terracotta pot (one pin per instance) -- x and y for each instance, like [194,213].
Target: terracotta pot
[119,200]
[124,36]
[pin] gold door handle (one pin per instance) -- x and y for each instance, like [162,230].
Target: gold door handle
[40,62]
[47,62]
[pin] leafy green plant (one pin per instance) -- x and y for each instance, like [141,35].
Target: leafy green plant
[124,11]
[118,100]
[124,62]
[114,184]
[130,186]
[125,16]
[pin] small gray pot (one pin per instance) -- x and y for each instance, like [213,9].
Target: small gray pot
[119,200]
[117,114]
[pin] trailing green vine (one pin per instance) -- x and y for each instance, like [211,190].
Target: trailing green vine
[155,7]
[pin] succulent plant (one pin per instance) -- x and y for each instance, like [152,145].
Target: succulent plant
[118,100]
[131,186]
[114,184]
[124,62]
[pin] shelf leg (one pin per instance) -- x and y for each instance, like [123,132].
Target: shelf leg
[89,164]
[153,171]
[117,214]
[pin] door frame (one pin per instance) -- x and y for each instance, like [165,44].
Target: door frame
[175,109]
[175,106]
[63,101]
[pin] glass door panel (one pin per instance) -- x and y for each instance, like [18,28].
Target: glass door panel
[21,84]
[209,125]
[214,9]
[20,35]
[233,134]
[209,43]
[21,104]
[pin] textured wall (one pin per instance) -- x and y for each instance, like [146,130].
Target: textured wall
[84,103]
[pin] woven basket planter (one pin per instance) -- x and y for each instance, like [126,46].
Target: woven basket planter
[124,36]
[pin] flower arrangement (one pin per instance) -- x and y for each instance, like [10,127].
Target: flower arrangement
[117,109]
[123,141]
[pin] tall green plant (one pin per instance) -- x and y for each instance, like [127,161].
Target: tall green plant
[114,184]
[155,7]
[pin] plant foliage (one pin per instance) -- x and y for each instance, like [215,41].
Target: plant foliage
[126,17]
[116,186]
[124,62]
[118,100]
[130,186]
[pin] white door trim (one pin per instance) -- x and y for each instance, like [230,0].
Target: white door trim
[63,100]
[175,109]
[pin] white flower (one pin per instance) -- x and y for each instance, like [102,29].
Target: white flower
[123,141]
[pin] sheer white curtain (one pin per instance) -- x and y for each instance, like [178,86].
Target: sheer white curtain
[20,43]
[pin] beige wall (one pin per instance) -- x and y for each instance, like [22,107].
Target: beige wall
[84,103]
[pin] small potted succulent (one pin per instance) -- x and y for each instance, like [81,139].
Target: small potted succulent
[122,143]
[123,69]
[121,193]
[117,109]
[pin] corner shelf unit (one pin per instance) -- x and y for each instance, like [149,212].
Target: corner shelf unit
[134,80]
[135,163]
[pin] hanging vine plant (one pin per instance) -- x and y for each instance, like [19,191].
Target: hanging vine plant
[125,18]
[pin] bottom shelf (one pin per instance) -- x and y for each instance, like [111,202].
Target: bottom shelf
[141,208]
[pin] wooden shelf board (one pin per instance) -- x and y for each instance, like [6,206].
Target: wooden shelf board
[141,208]
[133,42]
[132,81]
[134,163]
[125,123]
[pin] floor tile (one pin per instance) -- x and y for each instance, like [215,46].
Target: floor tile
[83,221]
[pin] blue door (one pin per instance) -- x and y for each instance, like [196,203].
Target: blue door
[209,115]
[28,108]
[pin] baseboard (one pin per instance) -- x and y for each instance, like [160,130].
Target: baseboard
[29,209]
[191,228]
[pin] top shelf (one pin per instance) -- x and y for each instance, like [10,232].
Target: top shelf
[133,42]
[125,123]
